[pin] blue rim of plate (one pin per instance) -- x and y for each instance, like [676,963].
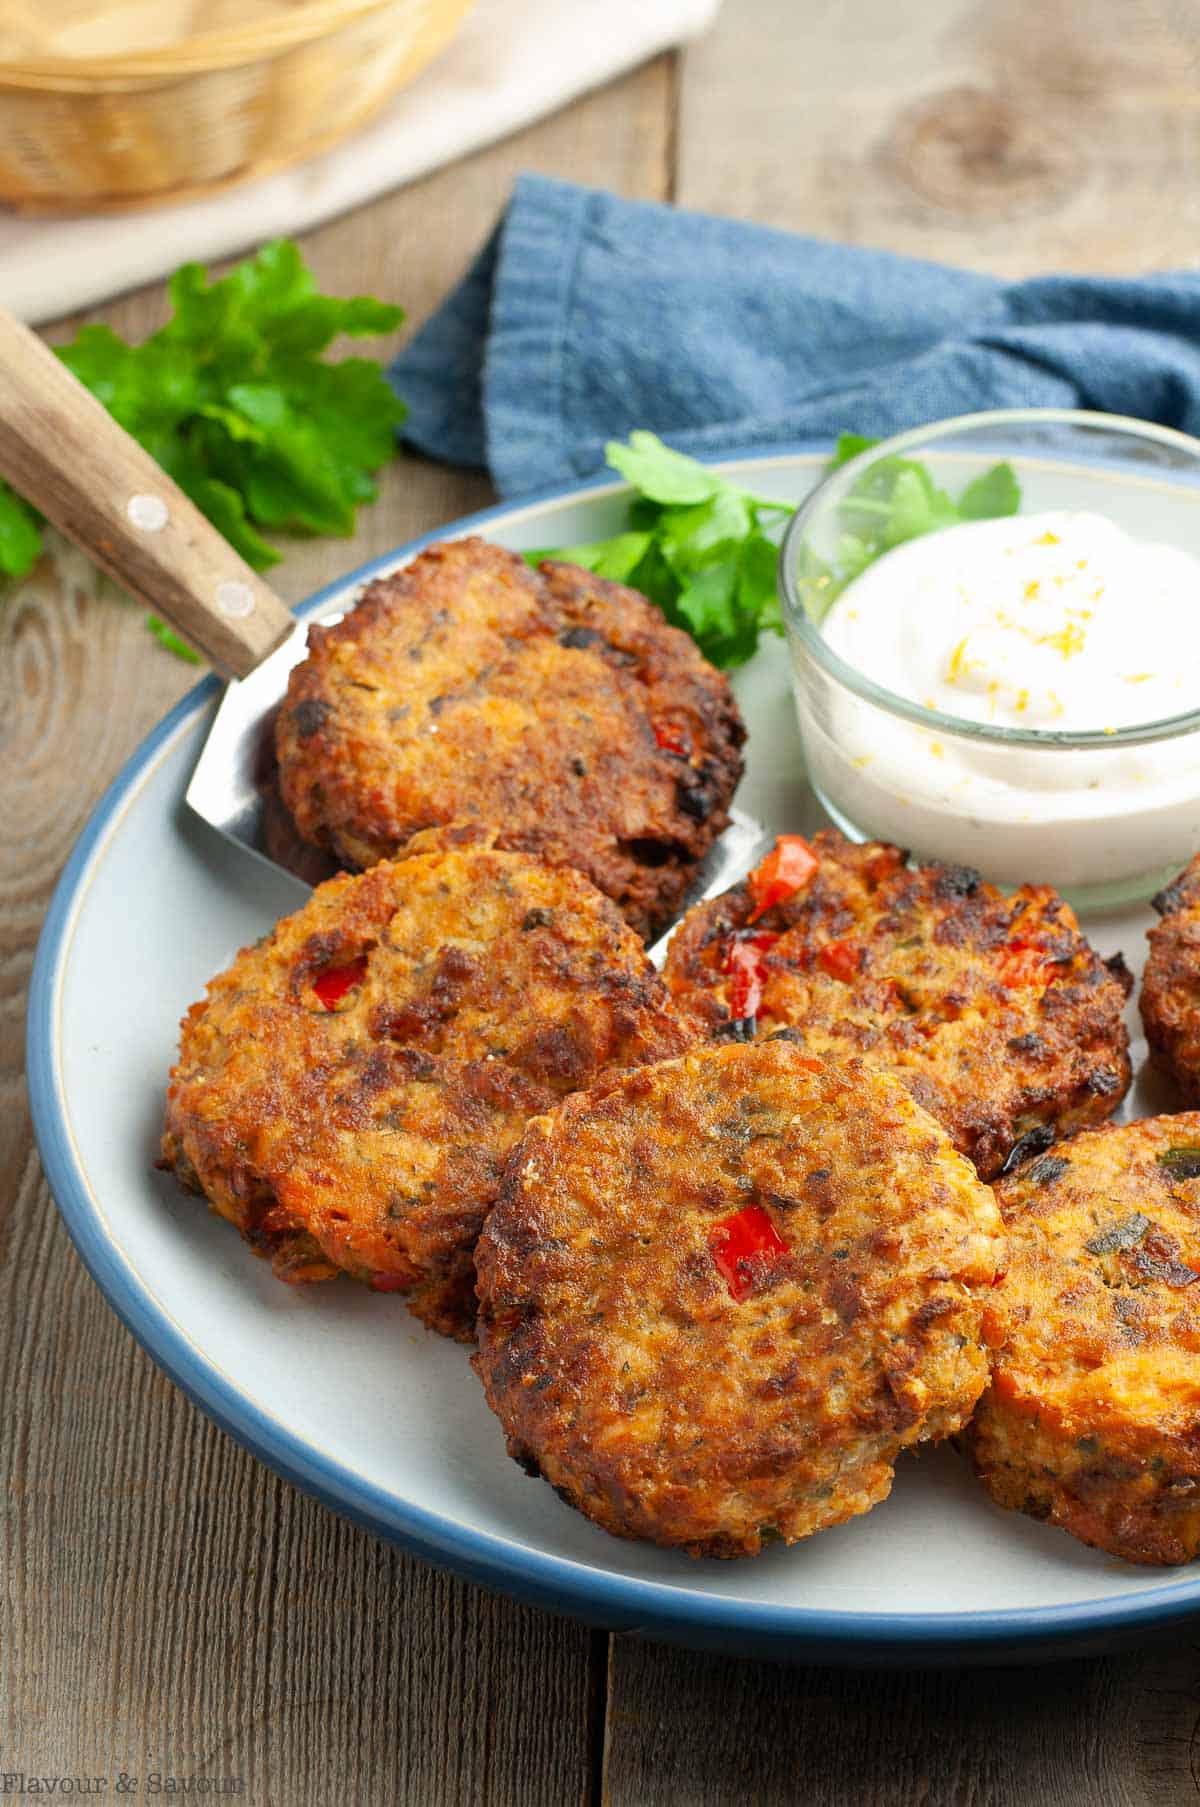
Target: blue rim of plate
[598,1596]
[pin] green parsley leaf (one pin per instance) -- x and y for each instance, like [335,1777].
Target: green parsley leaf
[615,559]
[696,544]
[854,555]
[166,636]
[916,507]
[20,533]
[706,604]
[653,577]
[758,597]
[693,537]
[234,398]
[848,446]
[662,475]
[994,494]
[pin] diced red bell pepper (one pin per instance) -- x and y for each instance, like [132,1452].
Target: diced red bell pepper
[787,869]
[1021,963]
[745,1248]
[332,985]
[746,963]
[671,739]
[840,959]
[387,1283]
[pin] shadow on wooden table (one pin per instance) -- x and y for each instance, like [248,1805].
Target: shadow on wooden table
[692,1730]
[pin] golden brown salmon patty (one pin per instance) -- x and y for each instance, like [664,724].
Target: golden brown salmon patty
[1092,1419]
[557,709]
[995,1012]
[718,1296]
[349,1090]
[1170,1000]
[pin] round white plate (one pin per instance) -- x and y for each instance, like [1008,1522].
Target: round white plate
[340,1389]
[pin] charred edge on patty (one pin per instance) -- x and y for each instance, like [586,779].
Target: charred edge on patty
[1170,1000]
[1090,1422]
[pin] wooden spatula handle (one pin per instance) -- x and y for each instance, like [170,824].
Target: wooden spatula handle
[64,452]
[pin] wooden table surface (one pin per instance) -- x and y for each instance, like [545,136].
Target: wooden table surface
[166,1603]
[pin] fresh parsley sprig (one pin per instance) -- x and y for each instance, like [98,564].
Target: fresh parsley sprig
[694,543]
[234,398]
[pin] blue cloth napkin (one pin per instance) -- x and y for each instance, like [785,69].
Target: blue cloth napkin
[585,316]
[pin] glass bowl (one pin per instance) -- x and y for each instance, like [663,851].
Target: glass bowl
[1104,815]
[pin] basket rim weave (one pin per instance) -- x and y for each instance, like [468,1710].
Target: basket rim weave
[196,55]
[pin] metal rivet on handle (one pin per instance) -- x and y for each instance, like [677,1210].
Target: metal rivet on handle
[147,512]
[234,598]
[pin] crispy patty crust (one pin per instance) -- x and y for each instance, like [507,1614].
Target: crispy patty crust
[349,1090]
[1170,1000]
[557,709]
[719,1295]
[1092,1419]
[995,1012]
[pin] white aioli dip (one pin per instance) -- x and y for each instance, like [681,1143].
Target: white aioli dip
[1043,621]
[1051,621]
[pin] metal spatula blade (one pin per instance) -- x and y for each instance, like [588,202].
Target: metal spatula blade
[730,857]
[233,787]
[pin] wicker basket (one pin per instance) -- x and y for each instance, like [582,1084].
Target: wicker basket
[189,110]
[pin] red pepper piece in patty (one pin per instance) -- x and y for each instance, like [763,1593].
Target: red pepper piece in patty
[671,739]
[745,1248]
[387,1283]
[840,959]
[746,963]
[1021,963]
[332,985]
[787,869]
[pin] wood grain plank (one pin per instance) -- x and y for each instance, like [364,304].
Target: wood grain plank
[688,1730]
[1009,135]
[165,1602]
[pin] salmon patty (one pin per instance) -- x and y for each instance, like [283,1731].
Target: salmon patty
[1092,1419]
[350,1088]
[556,709]
[1170,1000]
[719,1295]
[994,1011]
